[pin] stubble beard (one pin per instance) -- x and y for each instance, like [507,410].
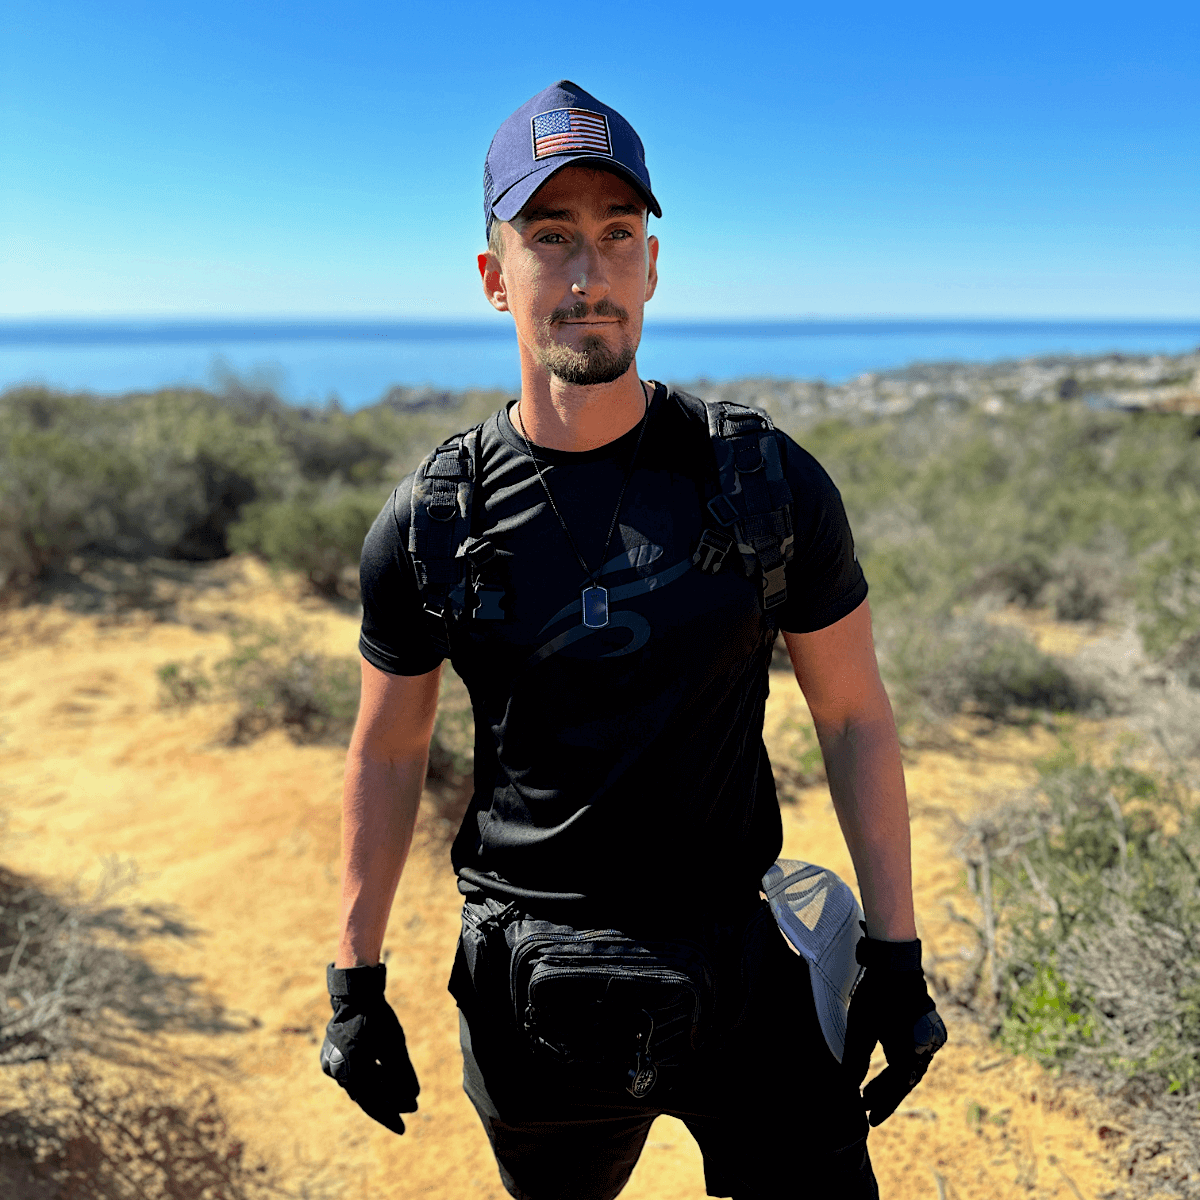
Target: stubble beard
[593,361]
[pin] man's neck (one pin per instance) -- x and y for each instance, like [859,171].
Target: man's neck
[563,416]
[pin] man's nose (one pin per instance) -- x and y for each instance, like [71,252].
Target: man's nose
[589,278]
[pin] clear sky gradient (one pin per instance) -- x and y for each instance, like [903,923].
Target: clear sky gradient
[222,158]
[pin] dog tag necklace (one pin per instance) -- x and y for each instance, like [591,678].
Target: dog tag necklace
[593,598]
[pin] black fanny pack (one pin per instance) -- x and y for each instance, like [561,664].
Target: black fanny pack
[610,1009]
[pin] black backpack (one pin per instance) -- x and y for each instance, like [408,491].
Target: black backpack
[750,508]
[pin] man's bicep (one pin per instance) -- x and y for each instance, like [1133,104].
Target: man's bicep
[837,670]
[395,713]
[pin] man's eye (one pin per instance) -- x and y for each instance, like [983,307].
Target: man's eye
[622,234]
[552,239]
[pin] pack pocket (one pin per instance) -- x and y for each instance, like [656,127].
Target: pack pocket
[614,1009]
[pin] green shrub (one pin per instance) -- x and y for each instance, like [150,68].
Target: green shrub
[1169,599]
[1044,1020]
[994,671]
[1044,503]
[1001,670]
[1091,926]
[170,473]
[321,537]
[279,683]
[62,470]
[181,685]
[276,681]
[163,474]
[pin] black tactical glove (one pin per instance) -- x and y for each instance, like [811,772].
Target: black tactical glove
[364,1047]
[891,1005]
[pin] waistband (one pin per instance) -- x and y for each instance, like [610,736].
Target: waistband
[644,913]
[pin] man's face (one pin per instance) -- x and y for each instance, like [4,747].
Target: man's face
[575,272]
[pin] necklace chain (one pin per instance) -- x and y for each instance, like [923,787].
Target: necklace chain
[592,576]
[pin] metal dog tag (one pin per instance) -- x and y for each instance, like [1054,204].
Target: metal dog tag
[595,607]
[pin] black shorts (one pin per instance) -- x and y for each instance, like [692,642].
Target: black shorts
[769,1105]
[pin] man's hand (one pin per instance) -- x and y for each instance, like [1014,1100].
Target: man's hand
[891,1005]
[364,1047]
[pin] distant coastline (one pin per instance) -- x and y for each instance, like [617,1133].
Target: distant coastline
[357,361]
[105,331]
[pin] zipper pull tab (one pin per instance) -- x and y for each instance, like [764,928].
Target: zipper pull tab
[643,1074]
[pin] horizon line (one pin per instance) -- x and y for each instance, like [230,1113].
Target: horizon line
[334,319]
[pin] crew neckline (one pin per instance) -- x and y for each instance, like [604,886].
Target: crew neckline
[614,449]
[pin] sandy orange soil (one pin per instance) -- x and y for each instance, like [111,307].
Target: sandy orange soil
[242,844]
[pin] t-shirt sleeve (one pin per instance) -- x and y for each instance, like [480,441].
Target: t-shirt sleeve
[393,636]
[824,581]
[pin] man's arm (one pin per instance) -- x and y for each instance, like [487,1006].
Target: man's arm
[837,672]
[385,771]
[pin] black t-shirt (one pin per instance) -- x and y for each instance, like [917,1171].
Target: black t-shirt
[611,763]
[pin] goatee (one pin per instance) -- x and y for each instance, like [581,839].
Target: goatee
[593,360]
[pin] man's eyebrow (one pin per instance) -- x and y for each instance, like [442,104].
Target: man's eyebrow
[550,214]
[569,214]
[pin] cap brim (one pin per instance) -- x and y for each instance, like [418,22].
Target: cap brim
[507,206]
[828,948]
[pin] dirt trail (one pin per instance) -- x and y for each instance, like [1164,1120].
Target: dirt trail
[240,845]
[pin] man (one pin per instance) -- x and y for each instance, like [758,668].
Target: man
[608,572]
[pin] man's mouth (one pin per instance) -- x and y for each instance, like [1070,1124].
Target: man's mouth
[604,313]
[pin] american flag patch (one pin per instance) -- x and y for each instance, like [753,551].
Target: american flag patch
[570,130]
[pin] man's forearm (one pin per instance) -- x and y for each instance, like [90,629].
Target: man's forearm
[866,781]
[379,810]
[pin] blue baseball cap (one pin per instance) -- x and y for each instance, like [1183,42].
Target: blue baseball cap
[558,127]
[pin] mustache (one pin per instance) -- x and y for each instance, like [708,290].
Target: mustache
[603,307]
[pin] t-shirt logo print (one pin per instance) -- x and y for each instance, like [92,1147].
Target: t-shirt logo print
[634,622]
[570,131]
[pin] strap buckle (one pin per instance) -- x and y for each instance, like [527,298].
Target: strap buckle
[774,582]
[722,508]
[488,596]
[711,551]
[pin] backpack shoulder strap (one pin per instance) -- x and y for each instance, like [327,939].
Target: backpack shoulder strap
[753,503]
[440,524]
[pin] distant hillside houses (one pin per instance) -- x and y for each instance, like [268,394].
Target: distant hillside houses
[1155,383]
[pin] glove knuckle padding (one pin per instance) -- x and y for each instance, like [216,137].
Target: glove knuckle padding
[929,1033]
[333,1061]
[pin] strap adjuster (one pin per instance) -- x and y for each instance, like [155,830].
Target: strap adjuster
[774,584]
[723,510]
[742,423]
[448,462]
[747,456]
[711,551]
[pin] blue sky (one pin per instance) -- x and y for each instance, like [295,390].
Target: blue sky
[255,158]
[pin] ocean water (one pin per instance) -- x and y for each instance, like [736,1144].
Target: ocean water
[312,361]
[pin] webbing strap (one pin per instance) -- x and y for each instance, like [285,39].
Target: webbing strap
[438,530]
[754,500]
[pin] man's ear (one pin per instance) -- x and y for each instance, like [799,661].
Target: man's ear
[492,275]
[652,267]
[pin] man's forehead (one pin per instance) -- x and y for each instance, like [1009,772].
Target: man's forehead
[571,193]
